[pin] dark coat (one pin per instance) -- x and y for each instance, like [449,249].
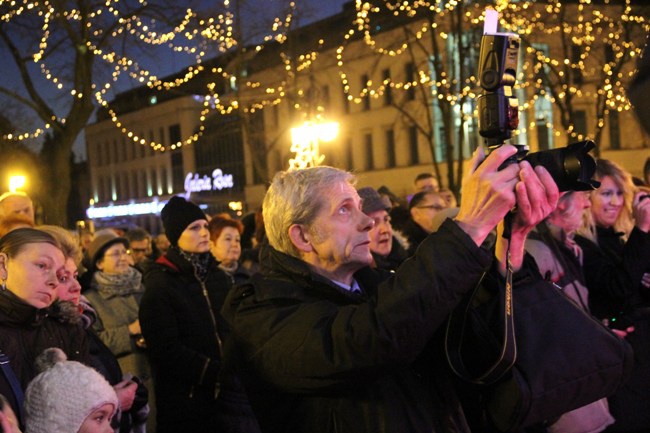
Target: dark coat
[184,343]
[25,332]
[613,270]
[415,235]
[317,358]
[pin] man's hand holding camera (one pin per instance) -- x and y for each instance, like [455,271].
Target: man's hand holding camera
[489,194]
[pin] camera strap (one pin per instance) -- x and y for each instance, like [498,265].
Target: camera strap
[458,322]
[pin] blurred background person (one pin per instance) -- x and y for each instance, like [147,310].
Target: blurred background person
[225,246]
[185,333]
[115,292]
[162,244]
[559,260]
[615,242]
[387,252]
[29,262]
[13,222]
[72,307]
[423,207]
[16,203]
[140,247]
[426,182]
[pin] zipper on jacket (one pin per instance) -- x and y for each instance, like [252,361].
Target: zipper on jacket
[204,289]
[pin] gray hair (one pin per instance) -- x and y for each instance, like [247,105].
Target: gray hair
[296,197]
[67,242]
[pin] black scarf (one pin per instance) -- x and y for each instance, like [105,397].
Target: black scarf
[200,262]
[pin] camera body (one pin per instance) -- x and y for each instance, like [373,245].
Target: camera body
[571,167]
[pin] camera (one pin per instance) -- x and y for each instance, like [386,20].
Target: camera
[571,167]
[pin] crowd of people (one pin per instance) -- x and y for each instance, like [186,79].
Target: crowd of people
[320,313]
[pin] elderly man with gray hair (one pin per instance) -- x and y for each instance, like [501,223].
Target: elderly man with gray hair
[325,343]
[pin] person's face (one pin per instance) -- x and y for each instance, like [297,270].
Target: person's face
[424,212]
[17,205]
[99,420]
[162,243]
[227,247]
[32,273]
[339,238]
[607,202]
[195,238]
[427,184]
[115,260]
[140,250]
[381,234]
[68,288]
[85,240]
[574,204]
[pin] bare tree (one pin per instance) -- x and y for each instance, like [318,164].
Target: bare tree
[78,48]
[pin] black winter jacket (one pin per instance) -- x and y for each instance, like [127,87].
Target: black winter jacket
[183,342]
[317,358]
[25,332]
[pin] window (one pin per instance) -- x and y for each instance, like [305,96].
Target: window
[580,122]
[349,153]
[414,154]
[388,90]
[325,100]
[153,190]
[178,179]
[576,52]
[614,130]
[366,97]
[370,160]
[346,102]
[174,134]
[391,157]
[409,72]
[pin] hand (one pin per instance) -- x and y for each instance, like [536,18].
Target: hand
[645,280]
[622,333]
[537,196]
[488,193]
[134,328]
[8,421]
[641,211]
[125,391]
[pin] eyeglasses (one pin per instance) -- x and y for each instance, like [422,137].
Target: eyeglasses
[118,254]
[138,250]
[431,206]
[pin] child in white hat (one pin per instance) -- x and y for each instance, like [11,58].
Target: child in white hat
[68,397]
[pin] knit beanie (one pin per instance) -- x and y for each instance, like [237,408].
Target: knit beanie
[177,214]
[371,201]
[62,396]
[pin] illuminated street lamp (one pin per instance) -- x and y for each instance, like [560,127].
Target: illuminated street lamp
[305,140]
[16,183]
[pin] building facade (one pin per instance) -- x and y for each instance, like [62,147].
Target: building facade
[402,89]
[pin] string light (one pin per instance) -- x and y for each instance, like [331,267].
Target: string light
[591,28]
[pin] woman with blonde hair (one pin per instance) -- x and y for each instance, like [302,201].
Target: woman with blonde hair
[615,240]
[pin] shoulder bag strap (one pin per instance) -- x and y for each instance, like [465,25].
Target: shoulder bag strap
[9,374]
[457,326]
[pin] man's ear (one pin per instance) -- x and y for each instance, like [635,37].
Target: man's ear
[300,238]
[3,266]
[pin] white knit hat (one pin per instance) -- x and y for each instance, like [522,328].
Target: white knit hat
[61,397]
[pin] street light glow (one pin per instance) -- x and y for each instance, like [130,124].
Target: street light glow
[16,183]
[305,140]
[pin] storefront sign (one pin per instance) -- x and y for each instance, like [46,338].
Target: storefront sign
[218,181]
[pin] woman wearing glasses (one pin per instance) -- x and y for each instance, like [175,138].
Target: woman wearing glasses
[115,292]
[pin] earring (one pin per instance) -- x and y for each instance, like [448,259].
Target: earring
[4,285]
